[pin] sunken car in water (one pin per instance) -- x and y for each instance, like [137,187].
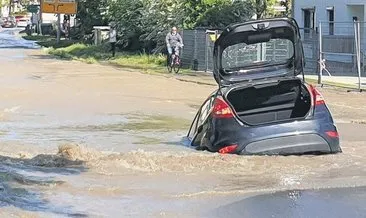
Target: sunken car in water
[263,105]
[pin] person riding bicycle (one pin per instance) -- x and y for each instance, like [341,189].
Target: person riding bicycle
[173,41]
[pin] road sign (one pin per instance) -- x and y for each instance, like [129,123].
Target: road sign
[59,6]
[33,8]
[213,37]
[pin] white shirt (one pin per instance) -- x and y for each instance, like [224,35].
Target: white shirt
[112,35]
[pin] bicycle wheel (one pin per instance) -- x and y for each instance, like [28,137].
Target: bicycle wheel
[169,64]
[177,64]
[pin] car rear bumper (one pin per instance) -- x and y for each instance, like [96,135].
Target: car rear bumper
[297,137]
[295,144]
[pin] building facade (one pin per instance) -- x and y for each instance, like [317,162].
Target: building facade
[309,13]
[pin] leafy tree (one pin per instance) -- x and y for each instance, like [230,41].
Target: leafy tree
[158,18]
[226,14]
[263,8]
[195,10]
[91,13]
[288,6]
[143,24]
[128,17]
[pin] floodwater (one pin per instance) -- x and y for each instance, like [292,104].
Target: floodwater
[82,140]
[8,40]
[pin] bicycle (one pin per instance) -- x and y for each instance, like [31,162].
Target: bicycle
[174,65]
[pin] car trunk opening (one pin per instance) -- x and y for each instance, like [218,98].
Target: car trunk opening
[273,102]
[257,50]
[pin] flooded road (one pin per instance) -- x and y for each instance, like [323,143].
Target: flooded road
[81,140]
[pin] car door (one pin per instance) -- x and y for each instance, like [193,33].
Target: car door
[198,126]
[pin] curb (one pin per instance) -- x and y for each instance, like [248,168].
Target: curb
[196,82]
[335,84]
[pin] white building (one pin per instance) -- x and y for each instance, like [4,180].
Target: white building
[337,30]
[309,13]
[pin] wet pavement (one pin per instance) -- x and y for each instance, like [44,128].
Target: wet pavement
[9,39]
[342,202]
[81,140]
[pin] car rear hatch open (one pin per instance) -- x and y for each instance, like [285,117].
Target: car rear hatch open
[258,50]
[258,62]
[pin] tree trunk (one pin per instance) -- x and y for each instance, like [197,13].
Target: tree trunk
[58,28]
[258,9]
[10,4]
[261,7]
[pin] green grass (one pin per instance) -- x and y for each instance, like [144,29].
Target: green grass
[101,53]
[82,52]
[145,63]
[49,41]
[140,61]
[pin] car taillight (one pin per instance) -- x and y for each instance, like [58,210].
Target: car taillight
[332,134]
[228,149]
[221,109]
[318,98]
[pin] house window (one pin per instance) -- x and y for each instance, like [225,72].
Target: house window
[330,12]
[309,19]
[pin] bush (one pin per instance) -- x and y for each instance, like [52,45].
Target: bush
[92,54]
[83,51]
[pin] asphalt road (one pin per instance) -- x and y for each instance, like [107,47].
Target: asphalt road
[68,149]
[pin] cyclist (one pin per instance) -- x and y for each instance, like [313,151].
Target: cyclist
[173,41]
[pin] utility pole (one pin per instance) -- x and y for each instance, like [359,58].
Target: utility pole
[10,4]
[58,28]
[40,21]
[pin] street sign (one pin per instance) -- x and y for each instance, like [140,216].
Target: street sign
[213,37]
[59,6]
[33,8]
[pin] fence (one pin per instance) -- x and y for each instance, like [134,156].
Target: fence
[310,41]
[199,44]
[342,49]
[198,49]
[329,50]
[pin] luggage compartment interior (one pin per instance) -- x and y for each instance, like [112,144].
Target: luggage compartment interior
[274,102]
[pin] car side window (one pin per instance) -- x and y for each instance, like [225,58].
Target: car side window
[201,116]
[205,110]
[193,129]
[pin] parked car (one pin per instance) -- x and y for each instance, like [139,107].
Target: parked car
[263,105]
[8,22]
[22,20]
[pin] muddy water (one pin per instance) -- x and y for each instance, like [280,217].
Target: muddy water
[82,140]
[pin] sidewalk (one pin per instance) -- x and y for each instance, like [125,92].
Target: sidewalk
[202,78]
[339,81]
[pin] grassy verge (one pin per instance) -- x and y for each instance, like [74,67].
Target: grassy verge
[74,50]
[102,54]
[49,41]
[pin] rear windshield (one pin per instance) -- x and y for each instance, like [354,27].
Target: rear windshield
[273,52]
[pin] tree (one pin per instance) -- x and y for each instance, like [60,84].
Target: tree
[288,7]
[91,13]
[158,18]
[143,24]
[10,5]
[226,14]
[127,14]
[195,10]
[263,7]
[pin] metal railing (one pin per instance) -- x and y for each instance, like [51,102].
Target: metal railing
[341,46]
